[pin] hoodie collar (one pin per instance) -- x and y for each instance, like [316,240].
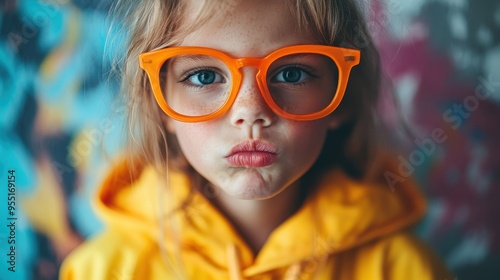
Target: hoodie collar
[341,214]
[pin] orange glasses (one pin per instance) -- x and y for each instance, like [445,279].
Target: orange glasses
[302,82]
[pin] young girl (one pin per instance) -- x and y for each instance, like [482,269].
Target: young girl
[257,155]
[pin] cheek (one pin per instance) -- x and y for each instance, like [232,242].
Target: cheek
[193,139]
[307,139]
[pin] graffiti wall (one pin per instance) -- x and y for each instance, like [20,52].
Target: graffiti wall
[60,123]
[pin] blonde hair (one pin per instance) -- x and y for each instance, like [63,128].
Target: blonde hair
[158,23]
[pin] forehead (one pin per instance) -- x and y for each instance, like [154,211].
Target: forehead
[244,28]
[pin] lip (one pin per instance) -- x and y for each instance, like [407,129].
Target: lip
[252,154]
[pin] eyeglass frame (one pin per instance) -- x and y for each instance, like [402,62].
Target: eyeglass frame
[344,58]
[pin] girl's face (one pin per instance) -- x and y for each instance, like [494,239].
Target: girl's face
[250,152]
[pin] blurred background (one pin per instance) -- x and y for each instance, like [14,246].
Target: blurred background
[60,123]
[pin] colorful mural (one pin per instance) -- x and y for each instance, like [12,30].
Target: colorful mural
[443,58]
[60,122]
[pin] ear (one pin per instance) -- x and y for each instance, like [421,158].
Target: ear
[335,120]
[333,123]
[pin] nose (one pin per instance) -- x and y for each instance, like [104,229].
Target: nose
[249,109]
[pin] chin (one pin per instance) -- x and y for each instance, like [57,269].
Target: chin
[252,184]
[250,192]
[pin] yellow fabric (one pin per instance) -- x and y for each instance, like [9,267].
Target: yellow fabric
[346,229]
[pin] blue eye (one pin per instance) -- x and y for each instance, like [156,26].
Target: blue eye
[291,75]
[204,77]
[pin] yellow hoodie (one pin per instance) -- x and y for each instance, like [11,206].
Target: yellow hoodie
[345,230]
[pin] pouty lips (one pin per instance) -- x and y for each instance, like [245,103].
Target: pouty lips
[252,154]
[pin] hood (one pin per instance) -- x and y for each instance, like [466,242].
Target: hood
[341,214]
